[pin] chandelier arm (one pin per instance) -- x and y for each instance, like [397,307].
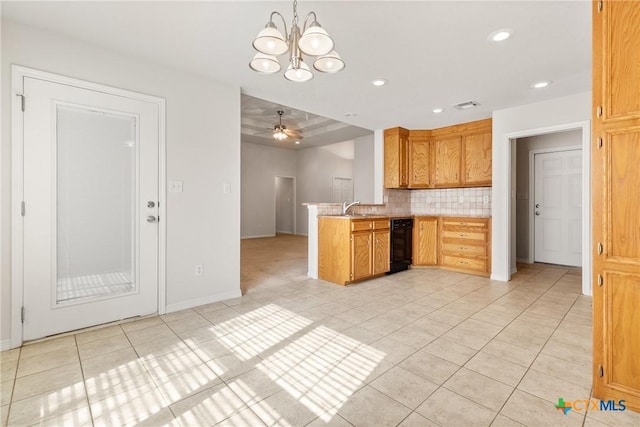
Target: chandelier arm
[275,12]
[306,19]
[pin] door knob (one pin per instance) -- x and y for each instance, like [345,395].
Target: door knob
[151,218]
[537,212]
[151,204]
[537,205]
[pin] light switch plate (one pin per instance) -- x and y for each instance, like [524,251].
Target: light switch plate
[226,188]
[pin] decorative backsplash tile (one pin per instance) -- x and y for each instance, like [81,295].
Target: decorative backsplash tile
[447,201]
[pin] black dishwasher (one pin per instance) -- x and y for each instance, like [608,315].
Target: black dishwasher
[401,244]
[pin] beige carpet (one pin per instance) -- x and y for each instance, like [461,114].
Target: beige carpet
[272,261]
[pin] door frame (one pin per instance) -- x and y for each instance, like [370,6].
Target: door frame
[293,203]
[532,174]
[18,73]
[505,232]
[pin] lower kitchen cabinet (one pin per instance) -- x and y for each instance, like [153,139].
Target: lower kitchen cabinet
[352,249]
[464,244]
[425,240]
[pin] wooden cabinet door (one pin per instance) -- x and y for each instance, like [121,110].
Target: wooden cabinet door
[361,255]
[425,242]
[381,248]
[615,180]
[477,159]
[419,170]
[447,162]
[396,158]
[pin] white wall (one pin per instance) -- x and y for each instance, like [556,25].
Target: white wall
[317,167]
[524,146]
[542,117]
[203,150]
[364,169]
[260,165]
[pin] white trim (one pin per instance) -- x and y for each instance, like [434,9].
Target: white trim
[257,236]
[506,226]
[312,244]
[5,345]
[532,155]
[221,297]
[18,73]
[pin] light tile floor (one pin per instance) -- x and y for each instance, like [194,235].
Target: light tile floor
[424,347]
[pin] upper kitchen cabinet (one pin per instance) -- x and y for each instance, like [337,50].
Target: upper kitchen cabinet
[396,158]
[477,159]
[419,159]
[462,155]
[449,157]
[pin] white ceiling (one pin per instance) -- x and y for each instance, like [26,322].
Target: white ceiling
[433,53]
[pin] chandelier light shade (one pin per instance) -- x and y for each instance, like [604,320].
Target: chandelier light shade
[280,135]
[313,40]
[265,64]
[329,63]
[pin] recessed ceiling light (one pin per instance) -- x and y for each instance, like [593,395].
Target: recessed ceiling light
[350,114]
[500,35]
[540,84]
[379,82]
[297,142]
[438,110]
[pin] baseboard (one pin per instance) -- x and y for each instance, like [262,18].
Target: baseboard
[258,236]
[5,345]
[523,261]
[202,301]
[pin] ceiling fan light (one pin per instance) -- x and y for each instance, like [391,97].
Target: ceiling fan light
[280,135]
[315,41]
[300,74]
[265,64]
[270,41]
[329,63]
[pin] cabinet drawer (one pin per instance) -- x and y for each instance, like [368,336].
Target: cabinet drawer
[462,223]
[461,248]
[472,264]
[380,224]
[476,236]
[361,225]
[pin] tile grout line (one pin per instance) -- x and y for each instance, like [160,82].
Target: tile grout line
[84,381]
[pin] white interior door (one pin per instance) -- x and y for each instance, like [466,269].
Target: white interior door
[558,207]
[91,206]
[285,209]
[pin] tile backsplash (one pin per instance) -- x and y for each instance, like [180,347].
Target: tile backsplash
[452,201]
[447,201]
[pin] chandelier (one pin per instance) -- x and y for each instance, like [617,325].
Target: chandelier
[311,41]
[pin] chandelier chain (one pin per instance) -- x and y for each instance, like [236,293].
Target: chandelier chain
[295,12]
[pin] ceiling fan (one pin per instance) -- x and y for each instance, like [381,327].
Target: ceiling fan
[282,132]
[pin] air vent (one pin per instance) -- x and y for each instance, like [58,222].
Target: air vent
[466,105]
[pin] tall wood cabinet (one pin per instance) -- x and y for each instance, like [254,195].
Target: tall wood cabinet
[419,159]
[396,158]
[352,249]
[615,188]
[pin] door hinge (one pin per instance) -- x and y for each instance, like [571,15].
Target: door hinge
[600,281]
[22,314]
[599,142]
[23,209]
[600,248]
[22,101]
[600,5]
[600,371]
[599,111]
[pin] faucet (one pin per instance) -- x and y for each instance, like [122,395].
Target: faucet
[346,207]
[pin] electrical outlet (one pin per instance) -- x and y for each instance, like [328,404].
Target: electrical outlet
[461,199]
[199,270]
[485,200]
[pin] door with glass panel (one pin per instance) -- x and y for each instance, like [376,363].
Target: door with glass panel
[91,206]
